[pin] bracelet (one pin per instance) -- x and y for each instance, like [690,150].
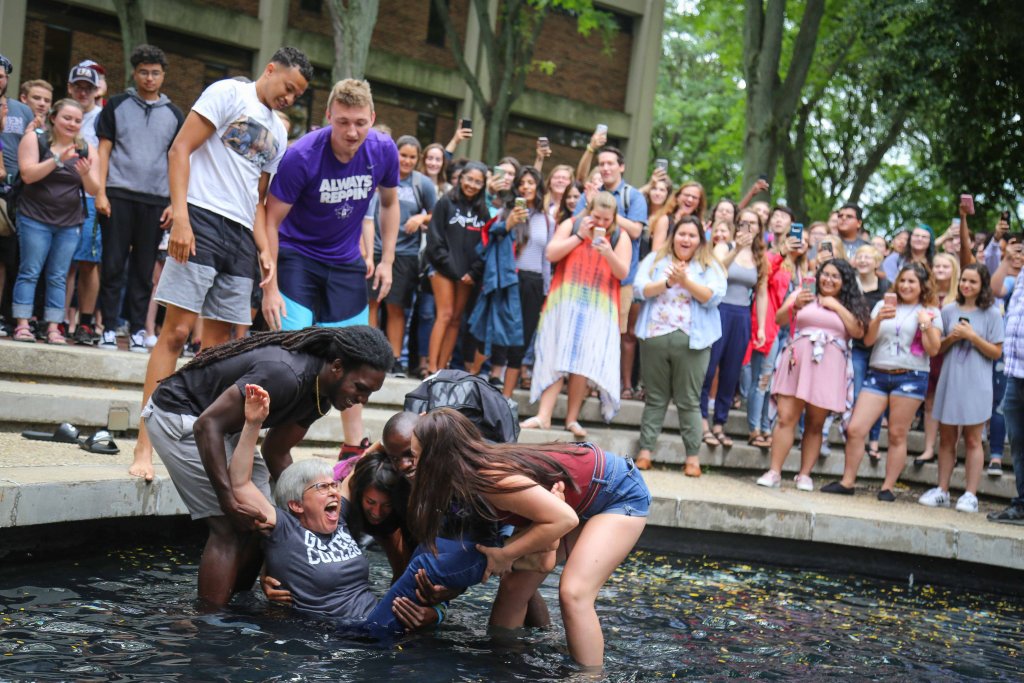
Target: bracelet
[925,326]
[590,149]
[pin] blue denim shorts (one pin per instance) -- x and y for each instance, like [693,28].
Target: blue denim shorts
[913,384]
[623,490]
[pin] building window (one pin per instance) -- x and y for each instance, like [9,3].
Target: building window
[311,6]
[56,57]
[426,128]
[436,34]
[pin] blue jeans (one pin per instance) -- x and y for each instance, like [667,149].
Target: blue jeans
[1013,412]
[997,426]
[44,248]
[762,367]
[457,565]
[860,371]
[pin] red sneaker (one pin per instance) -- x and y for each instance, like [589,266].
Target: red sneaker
[348,451]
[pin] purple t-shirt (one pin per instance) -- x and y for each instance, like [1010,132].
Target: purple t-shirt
[329,199]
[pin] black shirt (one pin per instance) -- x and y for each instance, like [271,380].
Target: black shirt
[289,378]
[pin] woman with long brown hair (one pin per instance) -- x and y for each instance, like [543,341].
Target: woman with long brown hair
[601,518]
[689,200]
[905,331]
[747,268]
[682,284]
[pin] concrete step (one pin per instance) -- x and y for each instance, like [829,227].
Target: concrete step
[89,408]
[73,365]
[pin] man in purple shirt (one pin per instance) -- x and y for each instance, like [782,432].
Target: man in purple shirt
[315,211]
[1013,399]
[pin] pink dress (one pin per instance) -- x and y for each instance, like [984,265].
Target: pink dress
[813,365]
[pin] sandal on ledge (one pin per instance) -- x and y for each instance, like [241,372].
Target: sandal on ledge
[55,337]
[23,333]
[710,439]
[627,394]
[576,429]
[874,455]
[721,437]
[533,423]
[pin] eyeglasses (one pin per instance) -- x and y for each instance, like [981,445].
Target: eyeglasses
[747,224]
[143,73]
[323,487]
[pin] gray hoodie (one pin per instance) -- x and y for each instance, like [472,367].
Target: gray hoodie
[142,133]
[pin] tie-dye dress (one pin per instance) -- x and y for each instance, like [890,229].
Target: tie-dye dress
[578,331]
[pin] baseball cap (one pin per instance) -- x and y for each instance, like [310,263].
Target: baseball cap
[94,65]
[84,73]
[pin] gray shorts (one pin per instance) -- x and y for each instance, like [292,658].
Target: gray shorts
[216,282]
[175,443]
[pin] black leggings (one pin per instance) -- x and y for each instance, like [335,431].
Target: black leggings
[531,297]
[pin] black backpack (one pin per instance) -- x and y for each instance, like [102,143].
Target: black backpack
[495,416]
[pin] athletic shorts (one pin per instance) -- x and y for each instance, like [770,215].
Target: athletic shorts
[405,277]
[175,443]
[90,243]
[217,281]
[322,294]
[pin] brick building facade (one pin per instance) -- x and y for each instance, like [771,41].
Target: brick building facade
[416,85]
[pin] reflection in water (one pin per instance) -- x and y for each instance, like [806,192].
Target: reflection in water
[129,615]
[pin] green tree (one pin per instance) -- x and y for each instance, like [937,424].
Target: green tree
[352,22]
[133,31]
[508,47]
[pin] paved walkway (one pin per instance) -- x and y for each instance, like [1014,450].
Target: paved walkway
[44,483]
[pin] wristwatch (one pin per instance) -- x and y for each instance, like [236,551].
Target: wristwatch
[57,162]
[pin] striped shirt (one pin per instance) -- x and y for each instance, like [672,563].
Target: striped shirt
[1013,345]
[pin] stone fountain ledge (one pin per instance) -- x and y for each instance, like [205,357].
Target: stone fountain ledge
[44,483]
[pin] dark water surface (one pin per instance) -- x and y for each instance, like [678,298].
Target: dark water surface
[128,615]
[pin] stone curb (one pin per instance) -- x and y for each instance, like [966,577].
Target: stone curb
[46,495]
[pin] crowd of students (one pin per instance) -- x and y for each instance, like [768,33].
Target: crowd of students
[576,281]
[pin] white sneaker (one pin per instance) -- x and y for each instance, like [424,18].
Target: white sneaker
[770,479]
[108,340]
[968,502]
[936,498]
[803,482]
[137,342]
[150,341]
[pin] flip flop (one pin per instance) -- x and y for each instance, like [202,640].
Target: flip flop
[64,433]
[102,442]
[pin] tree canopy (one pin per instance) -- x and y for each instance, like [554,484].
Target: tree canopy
[902,105]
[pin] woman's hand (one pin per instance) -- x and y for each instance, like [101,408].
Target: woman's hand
[82,165]
[680,274]
[430,593]
[760,337]
[272,589]
[962,330]
[516,216]
[413,616]
[803,297]
[498,564]
[257,404]
[586,228]
[603,247]
[67,154]
[830,303]
[924,317]
[744,240]
[466,280]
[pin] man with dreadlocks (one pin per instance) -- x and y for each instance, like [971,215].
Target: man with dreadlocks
[195,416]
